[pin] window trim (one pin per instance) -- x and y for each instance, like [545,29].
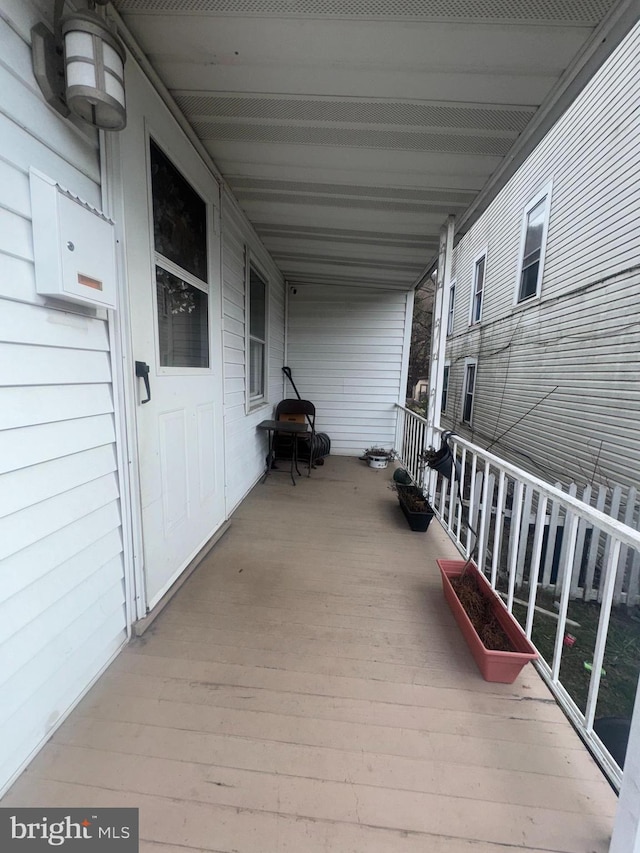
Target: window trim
[542,194]
[446,382]
[469,362]
[255,401]
[451,308]
[476,261]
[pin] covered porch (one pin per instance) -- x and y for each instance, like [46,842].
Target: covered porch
[307,689]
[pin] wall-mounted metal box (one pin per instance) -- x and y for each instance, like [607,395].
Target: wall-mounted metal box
[73,245]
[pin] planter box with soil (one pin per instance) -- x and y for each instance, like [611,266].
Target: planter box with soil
[415,507]
[498,644]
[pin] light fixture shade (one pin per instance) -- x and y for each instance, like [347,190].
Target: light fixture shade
[94,67]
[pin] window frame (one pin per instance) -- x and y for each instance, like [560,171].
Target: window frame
[473,321]
[543,194]
[469,362]
[169,266]
[446,380]
[451,308]
[255,401]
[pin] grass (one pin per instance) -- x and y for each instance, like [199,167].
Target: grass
[622,653]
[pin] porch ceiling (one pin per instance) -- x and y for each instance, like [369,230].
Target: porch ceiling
[349,131]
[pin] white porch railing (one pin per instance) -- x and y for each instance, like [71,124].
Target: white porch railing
[559,564]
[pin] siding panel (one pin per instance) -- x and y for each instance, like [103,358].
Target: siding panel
[244,447]
[62,611]
[345,350]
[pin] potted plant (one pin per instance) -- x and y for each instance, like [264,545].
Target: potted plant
[415,506]
[378,457]
[480,613]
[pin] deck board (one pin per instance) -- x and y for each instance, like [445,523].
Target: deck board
[308,690]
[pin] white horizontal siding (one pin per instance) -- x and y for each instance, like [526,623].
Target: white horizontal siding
[245,448]
[586,355]
[345,349]
[62,597]
[581,337]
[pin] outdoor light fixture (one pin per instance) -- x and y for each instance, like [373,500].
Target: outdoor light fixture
[80,67]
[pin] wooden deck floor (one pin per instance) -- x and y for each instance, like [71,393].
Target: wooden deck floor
[307,690]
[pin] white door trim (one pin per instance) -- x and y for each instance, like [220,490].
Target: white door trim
[124,392]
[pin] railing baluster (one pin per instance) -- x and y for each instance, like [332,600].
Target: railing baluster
[536,557]
[590,592]
[614,509]
[483,515]
[551,544]
[451,488]
[625,555]
[472,494]
[524,535]
[607,586]
[582,532]
[514,541]
[497,531]
[463,474]
[565,569]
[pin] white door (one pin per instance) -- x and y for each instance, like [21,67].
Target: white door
[173,269]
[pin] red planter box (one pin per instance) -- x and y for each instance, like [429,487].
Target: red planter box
[494,666]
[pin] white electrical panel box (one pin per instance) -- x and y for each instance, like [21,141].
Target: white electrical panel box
[74,246]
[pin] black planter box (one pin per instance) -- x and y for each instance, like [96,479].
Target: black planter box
[418,521]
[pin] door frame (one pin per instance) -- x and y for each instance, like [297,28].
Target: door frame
[125,388]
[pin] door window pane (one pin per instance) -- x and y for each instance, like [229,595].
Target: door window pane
[183,322]
[256,369]
[257,335]
[179,217]
[257,307]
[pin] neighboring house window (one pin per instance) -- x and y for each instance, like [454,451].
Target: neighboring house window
[479,268]
[532,245]
[445,389]
[452,299]
[257,291]
[469,389]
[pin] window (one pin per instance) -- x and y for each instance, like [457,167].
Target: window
[180,243]
[445,389]
[532,246]
[452,299]
[257,337]
[479,267]
[469,389]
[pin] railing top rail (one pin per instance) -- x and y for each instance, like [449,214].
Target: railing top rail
[413,414]
[612,526]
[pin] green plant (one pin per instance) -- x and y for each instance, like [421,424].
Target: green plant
[381,452]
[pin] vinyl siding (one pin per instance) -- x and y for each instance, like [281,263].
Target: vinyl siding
[245,447]
[345,348]
[579,342]
[62,611]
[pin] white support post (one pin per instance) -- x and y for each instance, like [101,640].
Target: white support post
[439,330]
[626,829]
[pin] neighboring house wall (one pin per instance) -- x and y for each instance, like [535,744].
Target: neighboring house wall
[245,447]
[62,600]
[559,373]
[345,349]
